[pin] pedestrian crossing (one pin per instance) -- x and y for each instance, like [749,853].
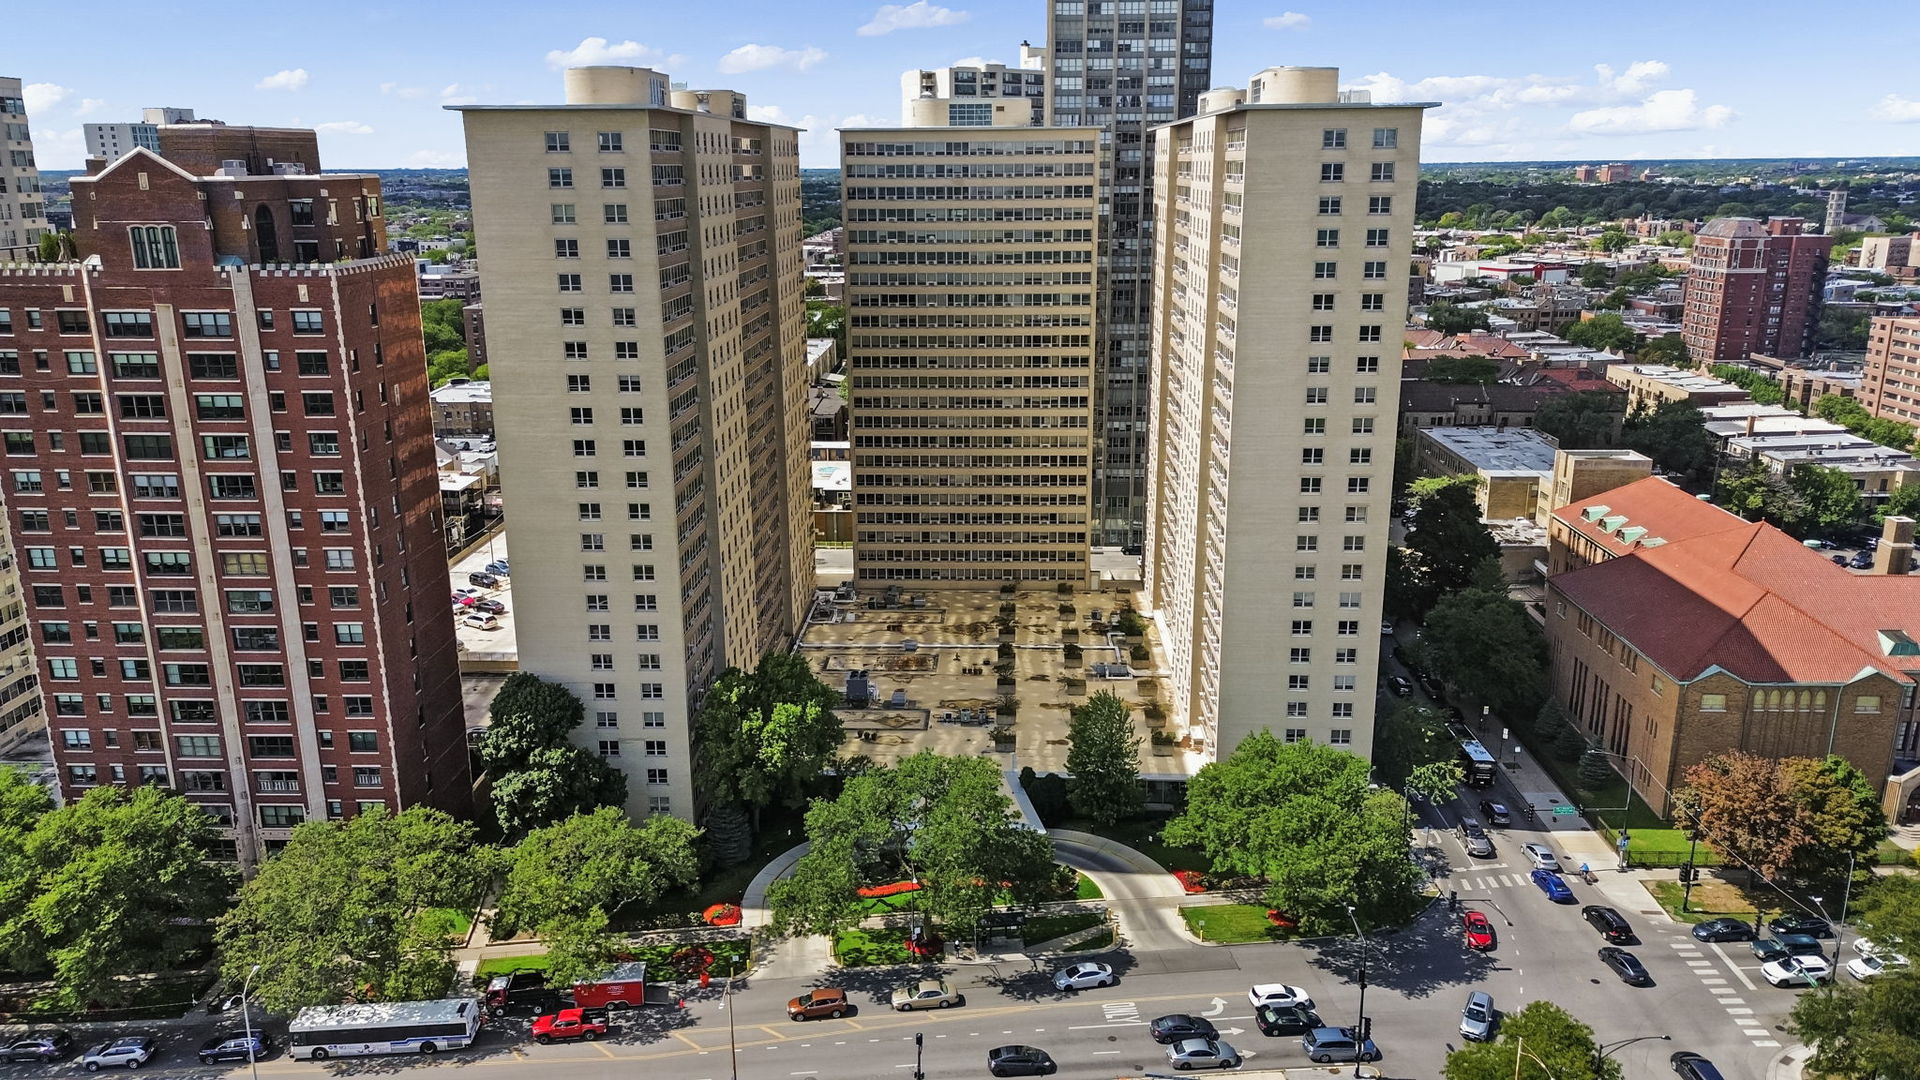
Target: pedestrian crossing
[1712,976]
[1491,881]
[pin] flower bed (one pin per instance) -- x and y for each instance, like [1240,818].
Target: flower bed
[1282,920]
[874,892]
[722,915]
[1193,881]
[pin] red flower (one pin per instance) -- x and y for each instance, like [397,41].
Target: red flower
[875,891]
[722,915]
[1281,919]
[1192,881]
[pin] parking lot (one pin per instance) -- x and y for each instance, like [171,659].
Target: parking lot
[475,642]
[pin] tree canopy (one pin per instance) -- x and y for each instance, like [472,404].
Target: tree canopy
[539,777]
[1103,757]
[1583,420]
[1489,647]
[764,736]
[1304,817]
[1673,434]
[1408,737]
[1453,319]
[1541,1041]
[1854,416]
[1479,370]
[1784,816]
[1448,542]
[344,912]
[1604,331]
[1831,500]
[944,822]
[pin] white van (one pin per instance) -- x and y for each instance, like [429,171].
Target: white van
[480,620]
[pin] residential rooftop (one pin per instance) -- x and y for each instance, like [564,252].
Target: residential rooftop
[1497,451]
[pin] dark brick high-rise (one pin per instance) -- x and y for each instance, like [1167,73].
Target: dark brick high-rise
[1753,288]
[220,482]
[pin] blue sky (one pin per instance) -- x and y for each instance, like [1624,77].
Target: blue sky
[1623,80]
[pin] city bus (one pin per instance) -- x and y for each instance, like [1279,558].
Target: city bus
[383,1027]
[1477,763]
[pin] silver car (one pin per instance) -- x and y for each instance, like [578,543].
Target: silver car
[1542,857]
[1476,1020]
[1202,1054]
[1084,976]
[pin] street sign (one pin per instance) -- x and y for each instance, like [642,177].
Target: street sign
[1565,811]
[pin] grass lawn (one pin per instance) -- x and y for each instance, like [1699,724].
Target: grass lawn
[506,965]
[1713,899]
[1892,854]
[729,955]
[1232,923]
[1139,833]
[1101,940]
[1085,889]
[873,948]
[457,924]
[1047,927]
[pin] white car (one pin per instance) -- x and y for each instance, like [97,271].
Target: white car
[1278,995]
[1542,857]
[1869,947]
[130,1052]
[1866,967]
[1084,977]
[1797,971]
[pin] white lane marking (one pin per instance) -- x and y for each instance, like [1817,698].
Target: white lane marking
[1714,982]
[1740,1012]
[809,1072]
[1102,1053]
[1737,973]
[1765,1042]
[1733,1001]
[1699,963]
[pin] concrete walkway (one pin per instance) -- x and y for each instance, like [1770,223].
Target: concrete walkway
[778,955]
[1144,897]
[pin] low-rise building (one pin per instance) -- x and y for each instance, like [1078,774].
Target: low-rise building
[1512,465]
[1886,253]
[1678,631]
[1877,471]
[823,358]
[440,281]
[1649,385]
[463,407]
[1751,418]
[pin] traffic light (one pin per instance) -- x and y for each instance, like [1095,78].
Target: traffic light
[1686,872]
[1453,899]
[1366,1028]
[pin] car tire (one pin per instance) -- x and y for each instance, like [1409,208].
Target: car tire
[319,1053]
[1182,1066]
[93,1066]
[835,1014]
[902,1008]
[944,1003]
[1321,1059]
[795,1017]
[133,1063]
[1110,981]
[428,1048]
[592,1035]
[206,1061]
[1369,1057]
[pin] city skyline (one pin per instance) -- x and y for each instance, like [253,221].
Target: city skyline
[377,103]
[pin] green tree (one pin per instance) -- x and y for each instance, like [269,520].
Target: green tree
[1407,738]
[564,881]
[1670,350]
[1904,502]
[1539,1042]
[1838,813]
[1489,648]
[444,367]
[727,834]
[1774,816]
[1448,541]
[1757,493]
[1048,794]
[1842,329]
[1604,331]
[442,325]
[1831,500]
[1595,275]
[1675,238]
[1762,389]
[117,883]
[1463,369]
[941,821]
[344,912]
[1673,434]
[1583,420]
[539,777]
[1103,757]
[1452,219]
[1303,816]
[764,737]
[1452,319]
[1436,781]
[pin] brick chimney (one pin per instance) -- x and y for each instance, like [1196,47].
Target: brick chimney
[1895,553]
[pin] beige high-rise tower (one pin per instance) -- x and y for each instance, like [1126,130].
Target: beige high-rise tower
[971,292]
[23,211]
[1279,297]
[647,336]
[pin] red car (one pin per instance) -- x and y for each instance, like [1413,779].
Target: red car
[569,1024]
[1479,932]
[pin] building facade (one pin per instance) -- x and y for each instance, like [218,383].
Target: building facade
[1125,67]
[1278,301]
[23,212]
[1891,389]
[22,714]
[643,253]
[1024,87]
[221,489]
[1753,287]
[108,141]
[972,289]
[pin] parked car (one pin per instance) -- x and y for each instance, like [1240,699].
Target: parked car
[483,579]
[1873,965]
[1769,949]
[1431,685]
[1867,946]
[498,568]
[1202,1054]
[1019,1061]
[233,1046]
[525,988]
[1797,971]
[818,1002]
[1801,924]
[1084,976]
[1838,560]
[1542,857]
[927,994]
[1386,629]
[1476,1020]
[129,1052]
[1338,1044]
[1279,995]
[588,1024]
[1496,813]
[1179,1027]
[1626,965]
[1478,931]
[1723,930]
[41,1045]
[1692,1066]
[1277,1020]
[1550,883]
[464,600]
[491,607]
[1862,560]
[480,620]
[1611,924]
[1402,686]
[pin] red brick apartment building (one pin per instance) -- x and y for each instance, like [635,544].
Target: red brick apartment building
[1753,288]
[1678,631]
[219,478]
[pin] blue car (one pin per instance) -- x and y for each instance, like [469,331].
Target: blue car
[1551,884]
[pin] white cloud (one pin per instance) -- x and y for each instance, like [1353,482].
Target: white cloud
[760,57]
[915,16]
[453,94]
[89,106]
[1640,76]
[395,89]
[768,114]
[343,127]
[1665,110]
[284,79]
[435,159]
[1897,110]
[42,96]
[1287,20]
[598,50]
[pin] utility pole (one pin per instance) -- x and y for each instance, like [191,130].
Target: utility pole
[919,1042]
[1360,1032]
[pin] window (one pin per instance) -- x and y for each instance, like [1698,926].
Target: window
[155,247]
[1379,204]
[569,282]
[317,403]
[128,323]
[1327,238]
[613,178]
[1382,171]
[1377,237]
[1332,172]
[143,447]
[620,283]
[206,324]
[559,178]
[1329,204]
[559,142]
[1333,139]
[609,748]
[566,248]
[1386,138]
[308,322]
[656,776]
[329,483]
[220,406]
[350,633]
[363,742]
[1865,704]
[1340,737]
[619,248]
[213,365]
[343,596]
[562,213]
[1713,703]
[281,817]
[1325,270]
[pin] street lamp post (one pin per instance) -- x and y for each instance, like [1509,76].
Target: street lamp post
[733,1048]
[1360,1023]
[1604,1051]
[246,1018]
[919,1041]
[1519,1048]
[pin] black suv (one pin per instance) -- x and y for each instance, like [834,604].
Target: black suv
[485,581]
[1692,1066]
[1800,924]
[1019,1061]
[1497,813]
[1291,1020]
[1611,924]
[47,1044]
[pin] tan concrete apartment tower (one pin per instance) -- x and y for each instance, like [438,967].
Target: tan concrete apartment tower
[23,211]
[647,330]
[971,292]
[1279,301]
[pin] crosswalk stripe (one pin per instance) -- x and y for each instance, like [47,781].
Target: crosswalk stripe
[1765,1042]
[1741,1012]
[1715,982]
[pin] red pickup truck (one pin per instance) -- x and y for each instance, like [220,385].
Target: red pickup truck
[625,987]
[570,1024]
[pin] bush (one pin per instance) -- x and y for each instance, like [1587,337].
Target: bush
[1008,705]
[1066,611]
[1139,654]
[1071,651]
[1065,588]
[1006,650]
[1155,711]
[1131,624]
[1569,744]
[1595,770]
